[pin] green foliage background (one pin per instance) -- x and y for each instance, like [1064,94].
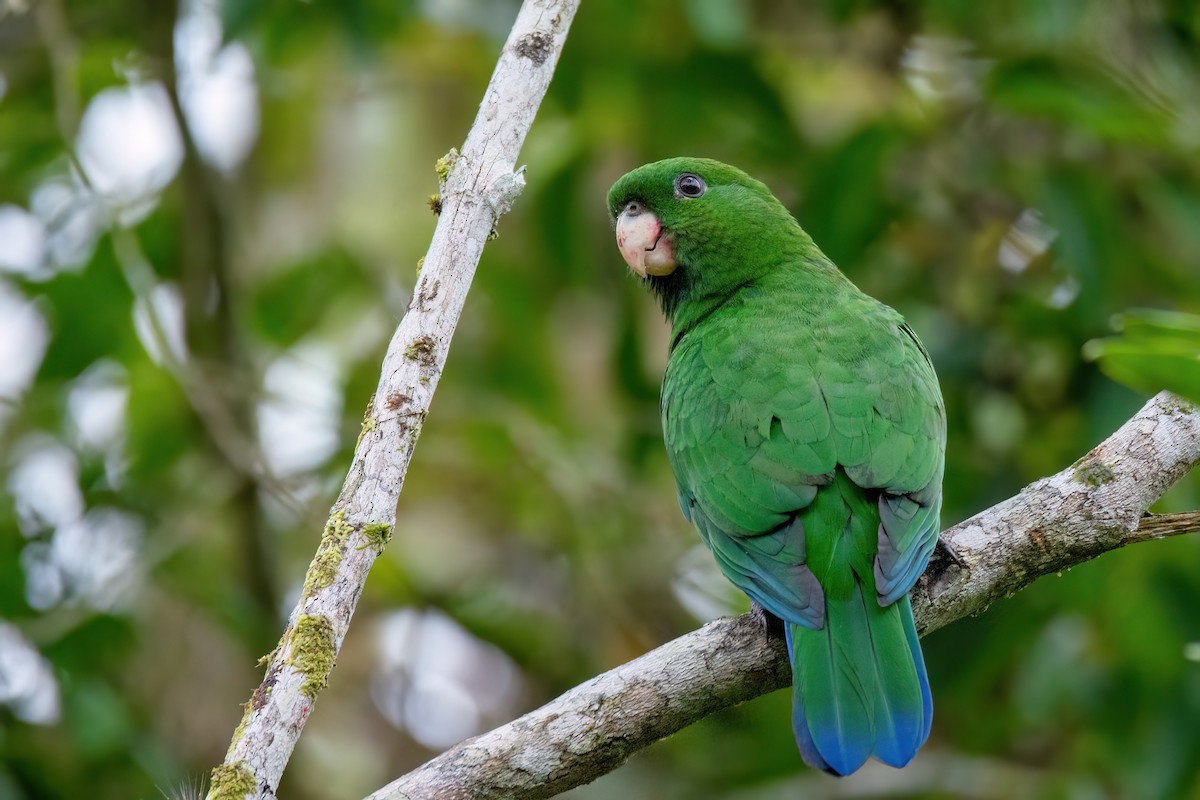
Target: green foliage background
[933,149]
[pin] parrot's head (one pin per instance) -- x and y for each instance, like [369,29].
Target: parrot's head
[693,227]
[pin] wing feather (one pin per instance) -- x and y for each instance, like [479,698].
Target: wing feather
[758,418]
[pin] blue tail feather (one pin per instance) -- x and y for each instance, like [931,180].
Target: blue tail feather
[804,740]
[859,686]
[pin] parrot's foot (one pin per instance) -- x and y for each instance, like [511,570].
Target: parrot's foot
[771,624]
[950,552]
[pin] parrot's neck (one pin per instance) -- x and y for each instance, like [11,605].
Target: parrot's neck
[687,303]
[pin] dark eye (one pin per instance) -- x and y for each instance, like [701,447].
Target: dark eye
[689,185]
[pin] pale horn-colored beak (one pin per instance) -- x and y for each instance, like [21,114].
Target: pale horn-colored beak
[644,245]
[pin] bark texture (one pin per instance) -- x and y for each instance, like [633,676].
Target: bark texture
[478,187]
[1096,505]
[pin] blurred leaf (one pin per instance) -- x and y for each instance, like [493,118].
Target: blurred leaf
[99,719]
[99,643]
[287,27]
[292,303]
[1156,350]
[162,427]
[85,329]
[847,203]
[1083,97]
[723,23]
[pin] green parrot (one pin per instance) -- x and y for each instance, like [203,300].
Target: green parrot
[806,431]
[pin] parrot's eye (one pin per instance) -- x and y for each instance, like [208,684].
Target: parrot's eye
[689,186]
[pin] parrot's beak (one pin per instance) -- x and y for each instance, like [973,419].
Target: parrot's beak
[645,246]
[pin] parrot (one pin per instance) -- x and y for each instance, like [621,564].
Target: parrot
[806,432]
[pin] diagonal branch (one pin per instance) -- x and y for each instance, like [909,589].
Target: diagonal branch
[479,186]
[1094,506]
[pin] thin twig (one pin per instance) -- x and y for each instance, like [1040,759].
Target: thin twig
[63,50]
[1160,526]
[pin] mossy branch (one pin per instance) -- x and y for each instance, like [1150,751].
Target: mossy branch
[477,187]
[1096,505]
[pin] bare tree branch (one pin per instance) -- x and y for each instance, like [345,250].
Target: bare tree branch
[1094,506]
[479,186]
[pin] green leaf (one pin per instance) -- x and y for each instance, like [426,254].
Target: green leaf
[1078,96]
[1157,350]
[293,302]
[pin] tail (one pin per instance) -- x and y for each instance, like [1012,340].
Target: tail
[859,685]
